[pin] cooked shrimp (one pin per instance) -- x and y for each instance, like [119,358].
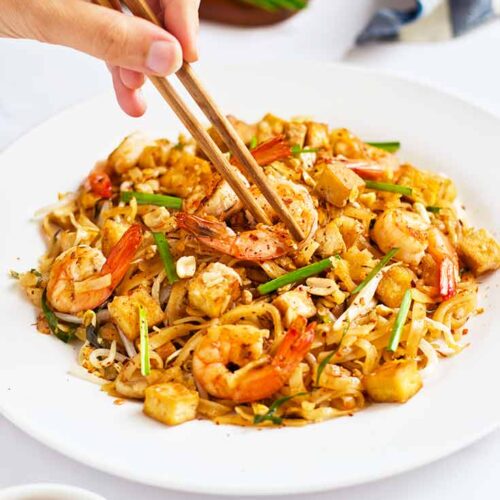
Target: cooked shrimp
[297,199]
[397,228]
[408,231]
[261,243]
[81,278]
[446,259]
[227,345]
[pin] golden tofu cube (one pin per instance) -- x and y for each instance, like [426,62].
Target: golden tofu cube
[296,132]
[124,310]
[394,284]
[317,135]
[171,403]
[330,240]
[212,290]
[394,382]
[479,250]
[293,304]
[110,234]
[337,183]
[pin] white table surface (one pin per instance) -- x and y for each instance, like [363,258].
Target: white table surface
[37,81]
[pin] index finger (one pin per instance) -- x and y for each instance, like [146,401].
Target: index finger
[181,20]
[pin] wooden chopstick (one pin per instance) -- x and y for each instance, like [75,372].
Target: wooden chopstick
[192,84]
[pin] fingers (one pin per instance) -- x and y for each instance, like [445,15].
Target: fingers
[127,85]
[181,19]
[121,40]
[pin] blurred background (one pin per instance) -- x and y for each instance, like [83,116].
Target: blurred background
[38,81]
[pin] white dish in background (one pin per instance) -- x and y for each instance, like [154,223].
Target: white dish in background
[47,491]
[438,131]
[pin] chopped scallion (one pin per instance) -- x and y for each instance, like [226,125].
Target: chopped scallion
[270,414]
[327,359]
[293,276]
[397,329]
[391,188]
[297,150]
[160,200]
[143,331]
[434,210]
[53,322]
[390,147]
[166,257]
[385,259]
[253,143]
[14,274]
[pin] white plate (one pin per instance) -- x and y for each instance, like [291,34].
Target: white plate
[47,491]
[456,407]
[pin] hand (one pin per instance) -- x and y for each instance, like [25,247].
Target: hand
[131,47]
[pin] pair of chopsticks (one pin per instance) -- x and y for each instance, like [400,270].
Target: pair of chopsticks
[234,143]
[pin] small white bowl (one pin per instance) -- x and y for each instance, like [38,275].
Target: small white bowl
[47,491]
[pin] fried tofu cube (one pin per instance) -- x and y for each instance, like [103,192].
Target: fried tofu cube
[427,187]
[317,135]
[479,250]
[330,240]
[111,233]
[295,133]
[337,183]
[124,310]
[394,382]
[293,304]
[171,403]
[212,290]
[394,284]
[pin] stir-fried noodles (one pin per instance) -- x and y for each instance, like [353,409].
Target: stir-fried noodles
[182,300]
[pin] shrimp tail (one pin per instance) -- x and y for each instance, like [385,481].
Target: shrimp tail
[121,255]
[294,346]
[276,148]
[367,170]
[447,279]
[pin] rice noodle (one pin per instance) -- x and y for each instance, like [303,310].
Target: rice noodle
[128,344]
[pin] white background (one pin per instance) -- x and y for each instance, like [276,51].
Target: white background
[38,81]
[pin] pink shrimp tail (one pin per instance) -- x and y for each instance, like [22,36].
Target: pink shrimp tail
[447,279]
[121,255]
[276,148]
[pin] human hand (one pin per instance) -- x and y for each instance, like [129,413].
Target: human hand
[130,46]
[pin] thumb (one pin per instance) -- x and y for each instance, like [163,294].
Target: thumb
[118,39]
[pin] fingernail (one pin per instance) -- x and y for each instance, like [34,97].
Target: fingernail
[162,58]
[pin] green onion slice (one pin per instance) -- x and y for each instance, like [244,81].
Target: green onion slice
[297,150]
[270,414]
[293,276]
[160,200]
[390,147]
[253,143]
[327,359]
[166,257]
[387,186]
[385,259]
[53,322]
[434,210]
[274,5]
[143,331]
[400,321]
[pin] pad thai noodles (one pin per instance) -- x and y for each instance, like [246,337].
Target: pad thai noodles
[180,299]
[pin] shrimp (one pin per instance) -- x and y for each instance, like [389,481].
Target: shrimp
[81,278]
[261,243]
[276,148]
[446,259]
[297,199]
[397,228]
[227,345]
[408,231]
